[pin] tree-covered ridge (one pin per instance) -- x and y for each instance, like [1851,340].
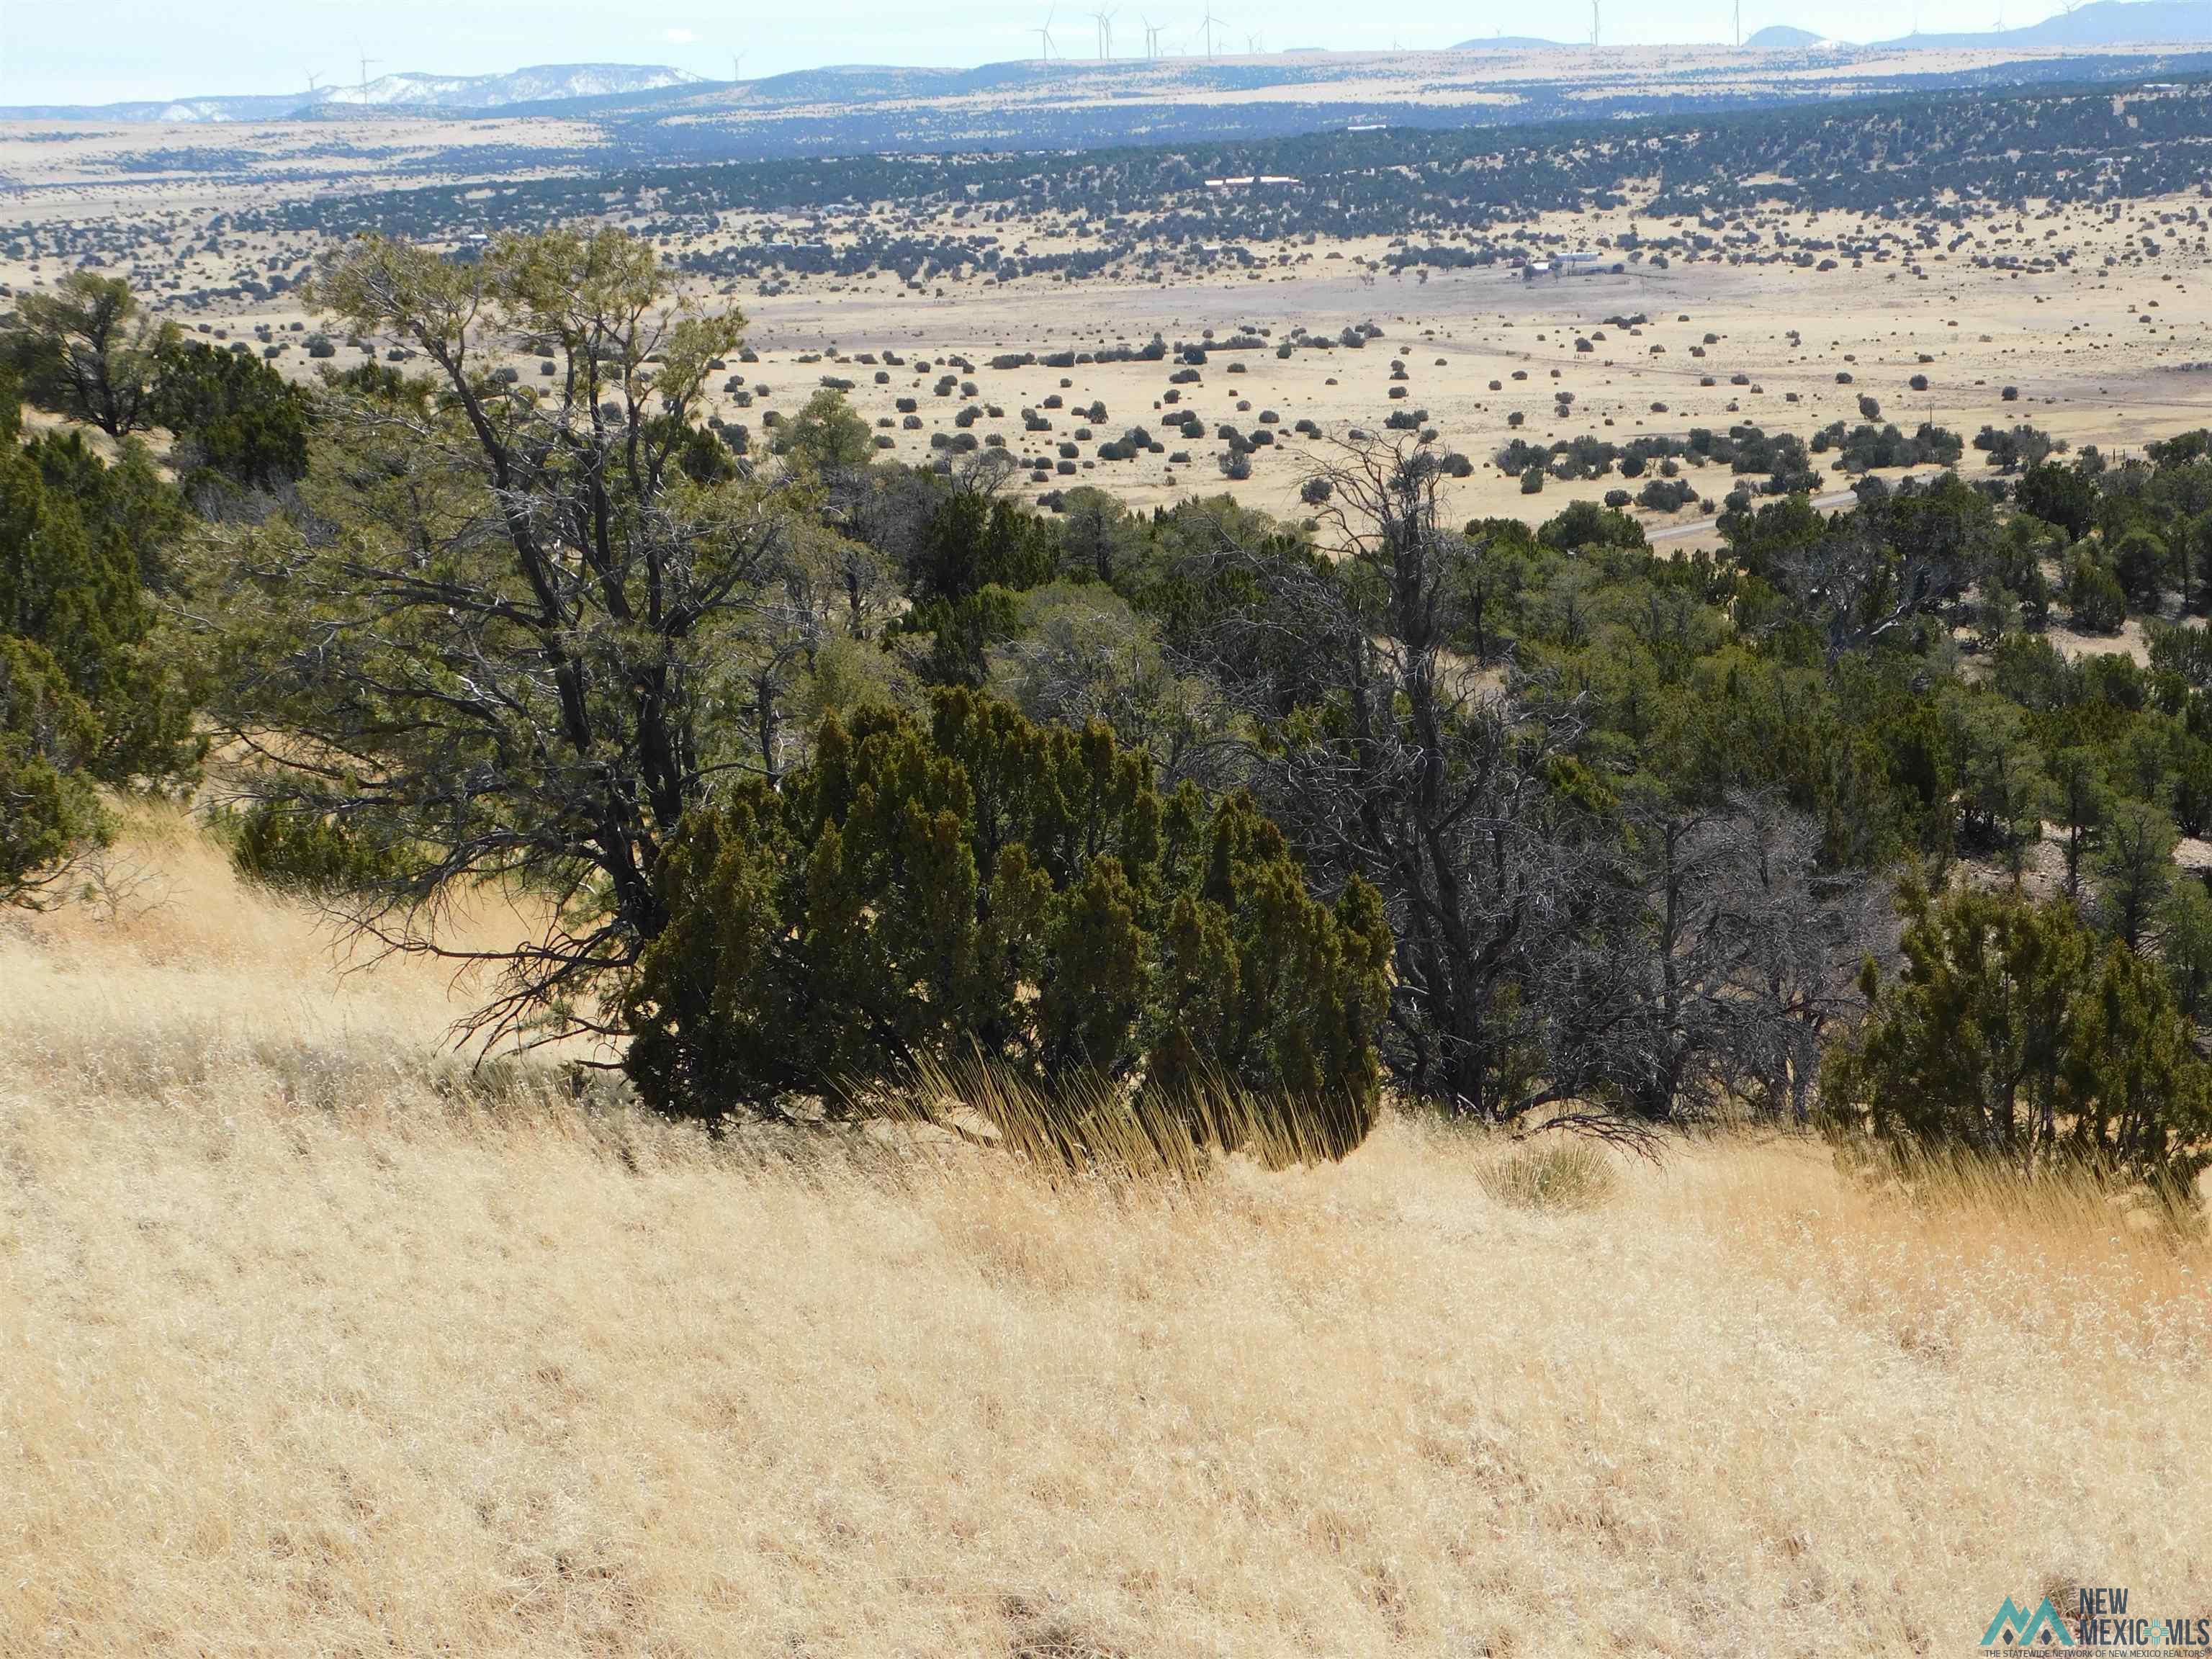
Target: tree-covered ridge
[826,770]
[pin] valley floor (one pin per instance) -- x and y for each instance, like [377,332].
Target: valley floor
[310,1344]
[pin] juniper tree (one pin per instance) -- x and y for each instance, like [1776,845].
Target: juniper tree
[1389,758]
[233,416]
[983,886]
[88,351]
[48,739]
[2013,1031]
[2134,869]
[79,536]
[2078,801]
[494,638]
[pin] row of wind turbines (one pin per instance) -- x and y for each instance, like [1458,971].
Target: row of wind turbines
[1255,44]
[1048,48]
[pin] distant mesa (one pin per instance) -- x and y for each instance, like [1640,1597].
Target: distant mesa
[2101,23]
[413,93]
[1780,37]
[544,83]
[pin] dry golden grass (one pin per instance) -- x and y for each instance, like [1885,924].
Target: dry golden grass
[307,1345]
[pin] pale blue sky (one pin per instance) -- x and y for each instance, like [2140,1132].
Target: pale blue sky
[101,51]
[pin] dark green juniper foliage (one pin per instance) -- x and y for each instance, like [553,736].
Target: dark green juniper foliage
[47,739]
[295,848]
[235,417]
[2015,1032]
[86,694]
[984,887]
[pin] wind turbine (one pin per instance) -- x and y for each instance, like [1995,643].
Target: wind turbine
[1105,22]
[1209,24]
[1044,35]
[1739,23]
[737,67]
[1593,23]
[1253,46]
[1152,36]
[365,62]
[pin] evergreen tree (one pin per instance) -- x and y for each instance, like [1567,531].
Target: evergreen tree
[48,739]
[77,537]
[233,416]
[88,352]
[2014,1032]
[983,886]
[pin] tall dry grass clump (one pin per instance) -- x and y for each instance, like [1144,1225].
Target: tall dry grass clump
[313,1341]
[1555,1174]
[1096,1128]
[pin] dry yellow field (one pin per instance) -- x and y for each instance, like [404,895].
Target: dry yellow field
[309,1345]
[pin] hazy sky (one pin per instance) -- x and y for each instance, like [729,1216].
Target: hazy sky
[99,50]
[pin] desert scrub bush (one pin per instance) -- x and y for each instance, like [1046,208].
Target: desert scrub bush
[985,887]
[1555,1174]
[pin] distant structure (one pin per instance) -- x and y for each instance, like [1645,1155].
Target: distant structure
[1583,261]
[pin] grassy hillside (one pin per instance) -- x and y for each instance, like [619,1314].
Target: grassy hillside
[310,1343]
